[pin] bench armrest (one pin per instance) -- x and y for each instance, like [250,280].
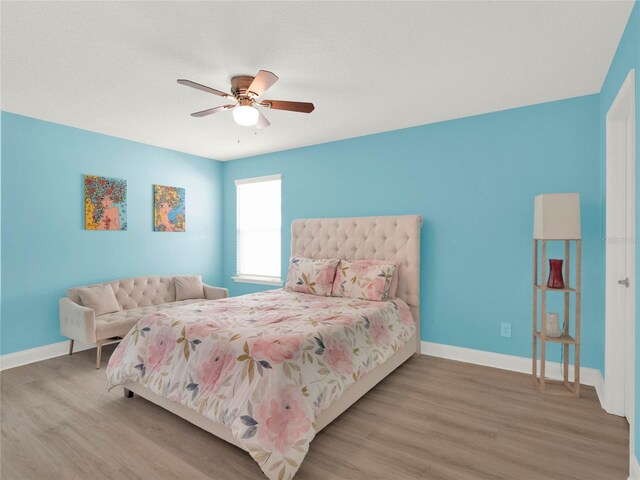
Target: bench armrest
[215,293]
[77,322]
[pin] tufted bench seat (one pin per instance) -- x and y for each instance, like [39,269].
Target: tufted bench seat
[137,297]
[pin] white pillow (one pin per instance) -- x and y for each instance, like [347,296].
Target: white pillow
[188,287]
[100,299]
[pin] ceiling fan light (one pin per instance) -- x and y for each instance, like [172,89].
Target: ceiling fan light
[245,115]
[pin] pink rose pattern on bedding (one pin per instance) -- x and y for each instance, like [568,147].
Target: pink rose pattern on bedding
[307,275]
[264,365]
[368,279]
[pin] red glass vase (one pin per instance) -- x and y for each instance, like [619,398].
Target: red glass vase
[555,274]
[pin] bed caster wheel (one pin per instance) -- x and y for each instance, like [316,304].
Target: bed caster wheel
[128,393]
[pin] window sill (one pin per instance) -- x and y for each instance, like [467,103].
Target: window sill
[259,281]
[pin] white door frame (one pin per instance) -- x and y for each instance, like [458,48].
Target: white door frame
[620,255]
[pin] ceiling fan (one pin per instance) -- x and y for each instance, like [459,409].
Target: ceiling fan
[244,91]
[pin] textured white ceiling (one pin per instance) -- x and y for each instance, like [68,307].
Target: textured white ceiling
[369,67]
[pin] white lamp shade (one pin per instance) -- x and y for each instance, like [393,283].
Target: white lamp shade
[557,216]
[245,115]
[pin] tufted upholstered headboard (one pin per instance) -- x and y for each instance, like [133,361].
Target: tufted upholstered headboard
[364,238]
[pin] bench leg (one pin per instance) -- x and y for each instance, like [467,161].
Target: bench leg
[98,353]
[70,347]
[128,393]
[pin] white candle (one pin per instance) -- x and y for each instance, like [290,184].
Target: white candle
[553,325]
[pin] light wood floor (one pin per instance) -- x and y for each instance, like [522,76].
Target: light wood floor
[432,419]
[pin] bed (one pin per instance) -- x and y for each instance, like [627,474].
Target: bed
[267,371]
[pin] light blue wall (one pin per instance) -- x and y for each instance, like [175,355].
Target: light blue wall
[627,57]
[473,180]
[45,249]
[1,117]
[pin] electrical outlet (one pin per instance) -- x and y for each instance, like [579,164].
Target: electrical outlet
[505,330]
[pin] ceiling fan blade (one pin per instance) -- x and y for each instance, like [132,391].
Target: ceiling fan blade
[262,121]
[210,111]
[204,88]
[303,107]
[262,82]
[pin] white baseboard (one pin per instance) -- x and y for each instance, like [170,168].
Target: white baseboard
[634,468]
[32,355]
[588,376]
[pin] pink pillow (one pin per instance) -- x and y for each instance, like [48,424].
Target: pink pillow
[307,275]
[368,279]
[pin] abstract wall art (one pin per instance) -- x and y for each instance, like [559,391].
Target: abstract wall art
[105,203]
[168,209]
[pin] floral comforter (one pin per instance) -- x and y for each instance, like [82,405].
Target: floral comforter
[264,365]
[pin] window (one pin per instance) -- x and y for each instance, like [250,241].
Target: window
[258,229]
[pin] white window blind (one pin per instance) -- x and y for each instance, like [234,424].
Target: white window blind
[258,207]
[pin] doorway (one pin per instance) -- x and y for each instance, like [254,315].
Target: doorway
[620,255]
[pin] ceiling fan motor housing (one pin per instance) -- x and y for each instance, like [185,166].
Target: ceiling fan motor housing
[240,86]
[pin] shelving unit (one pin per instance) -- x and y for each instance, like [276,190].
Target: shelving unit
[539,286]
